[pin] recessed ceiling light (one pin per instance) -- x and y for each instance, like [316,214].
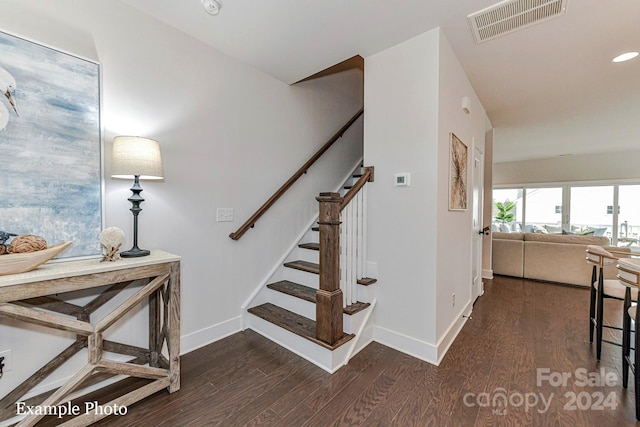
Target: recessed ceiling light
[211,6]
[625,57]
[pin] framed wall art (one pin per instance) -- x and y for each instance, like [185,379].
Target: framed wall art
[50,140]
[457,174]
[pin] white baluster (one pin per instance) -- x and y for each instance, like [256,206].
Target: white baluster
[343,257]
[352,250]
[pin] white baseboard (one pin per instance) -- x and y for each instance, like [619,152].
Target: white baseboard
[487,274]
[453,331]
[210,334]
[421,349]
[406,344]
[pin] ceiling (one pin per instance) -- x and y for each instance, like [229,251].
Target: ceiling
[549,89]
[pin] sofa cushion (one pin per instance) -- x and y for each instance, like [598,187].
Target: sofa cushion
[561,262]
[553,229]
[554,258]
[507,256]
[508,236]
[556,262]
[560,238]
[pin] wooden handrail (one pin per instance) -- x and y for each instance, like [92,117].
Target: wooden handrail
[367,176]
[265,207]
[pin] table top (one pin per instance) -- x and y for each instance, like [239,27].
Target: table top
[58,269]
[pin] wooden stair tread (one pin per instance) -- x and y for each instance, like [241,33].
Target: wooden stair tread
[312,246]
[310,267]
[356,307]
[294,289]
[366,281]
[309,294]
[295,323]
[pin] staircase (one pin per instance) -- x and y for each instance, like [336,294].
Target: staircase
[285,309]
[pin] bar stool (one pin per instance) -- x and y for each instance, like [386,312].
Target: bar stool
[601,289]
[629,275]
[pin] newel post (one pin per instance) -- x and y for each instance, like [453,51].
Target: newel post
[329,296]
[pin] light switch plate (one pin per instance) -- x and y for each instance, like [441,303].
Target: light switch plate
[402,179]
[225,214]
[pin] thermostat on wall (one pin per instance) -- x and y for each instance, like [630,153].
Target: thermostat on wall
[402,180]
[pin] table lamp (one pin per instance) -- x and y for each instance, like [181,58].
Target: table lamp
[138,158]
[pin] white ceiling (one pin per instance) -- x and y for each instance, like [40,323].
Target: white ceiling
[549,90]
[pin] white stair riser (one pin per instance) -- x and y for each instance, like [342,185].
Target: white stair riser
[308,309]
[311,237]
[366,293]
[326,359]
[353,322]
[308,255]
[291,303]
[304,278]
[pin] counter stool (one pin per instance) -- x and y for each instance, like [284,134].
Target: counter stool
[629,275]
[601,289]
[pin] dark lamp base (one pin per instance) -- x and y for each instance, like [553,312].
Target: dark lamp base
[135,252]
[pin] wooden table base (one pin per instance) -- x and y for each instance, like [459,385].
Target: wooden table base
[161,290]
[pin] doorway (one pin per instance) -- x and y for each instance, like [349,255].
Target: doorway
[477,288]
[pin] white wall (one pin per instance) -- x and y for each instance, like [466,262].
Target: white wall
[400,133]
[413,94]
[454,227]
[230,136]
[591,167]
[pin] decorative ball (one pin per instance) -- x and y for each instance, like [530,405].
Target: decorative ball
[111,237]
[27,243]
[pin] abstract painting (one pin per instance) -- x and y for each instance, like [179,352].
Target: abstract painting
[50,153]
[457,175]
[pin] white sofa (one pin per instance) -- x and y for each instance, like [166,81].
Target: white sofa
[547,257]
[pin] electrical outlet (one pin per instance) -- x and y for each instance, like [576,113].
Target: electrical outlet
[225,214]
[7,360]
[453,299]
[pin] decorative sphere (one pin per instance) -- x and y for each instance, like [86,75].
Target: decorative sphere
[111,237]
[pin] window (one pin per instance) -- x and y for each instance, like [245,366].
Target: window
[611,210]
[628,224]
[590,213]
[506,218]
[541,215]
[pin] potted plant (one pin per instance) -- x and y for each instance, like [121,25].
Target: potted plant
[505,211]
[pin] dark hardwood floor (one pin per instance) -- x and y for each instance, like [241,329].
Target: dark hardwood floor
[517,328]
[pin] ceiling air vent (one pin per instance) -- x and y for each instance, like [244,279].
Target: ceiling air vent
[512,15]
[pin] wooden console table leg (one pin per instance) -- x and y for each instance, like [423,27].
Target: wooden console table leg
[155,344]
[173,329]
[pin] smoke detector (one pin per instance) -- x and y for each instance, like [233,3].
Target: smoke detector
[512,15]
[212,7]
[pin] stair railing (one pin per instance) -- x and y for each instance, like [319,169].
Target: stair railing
[283,189]
[342,225]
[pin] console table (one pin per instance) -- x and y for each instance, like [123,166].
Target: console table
[159,277]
